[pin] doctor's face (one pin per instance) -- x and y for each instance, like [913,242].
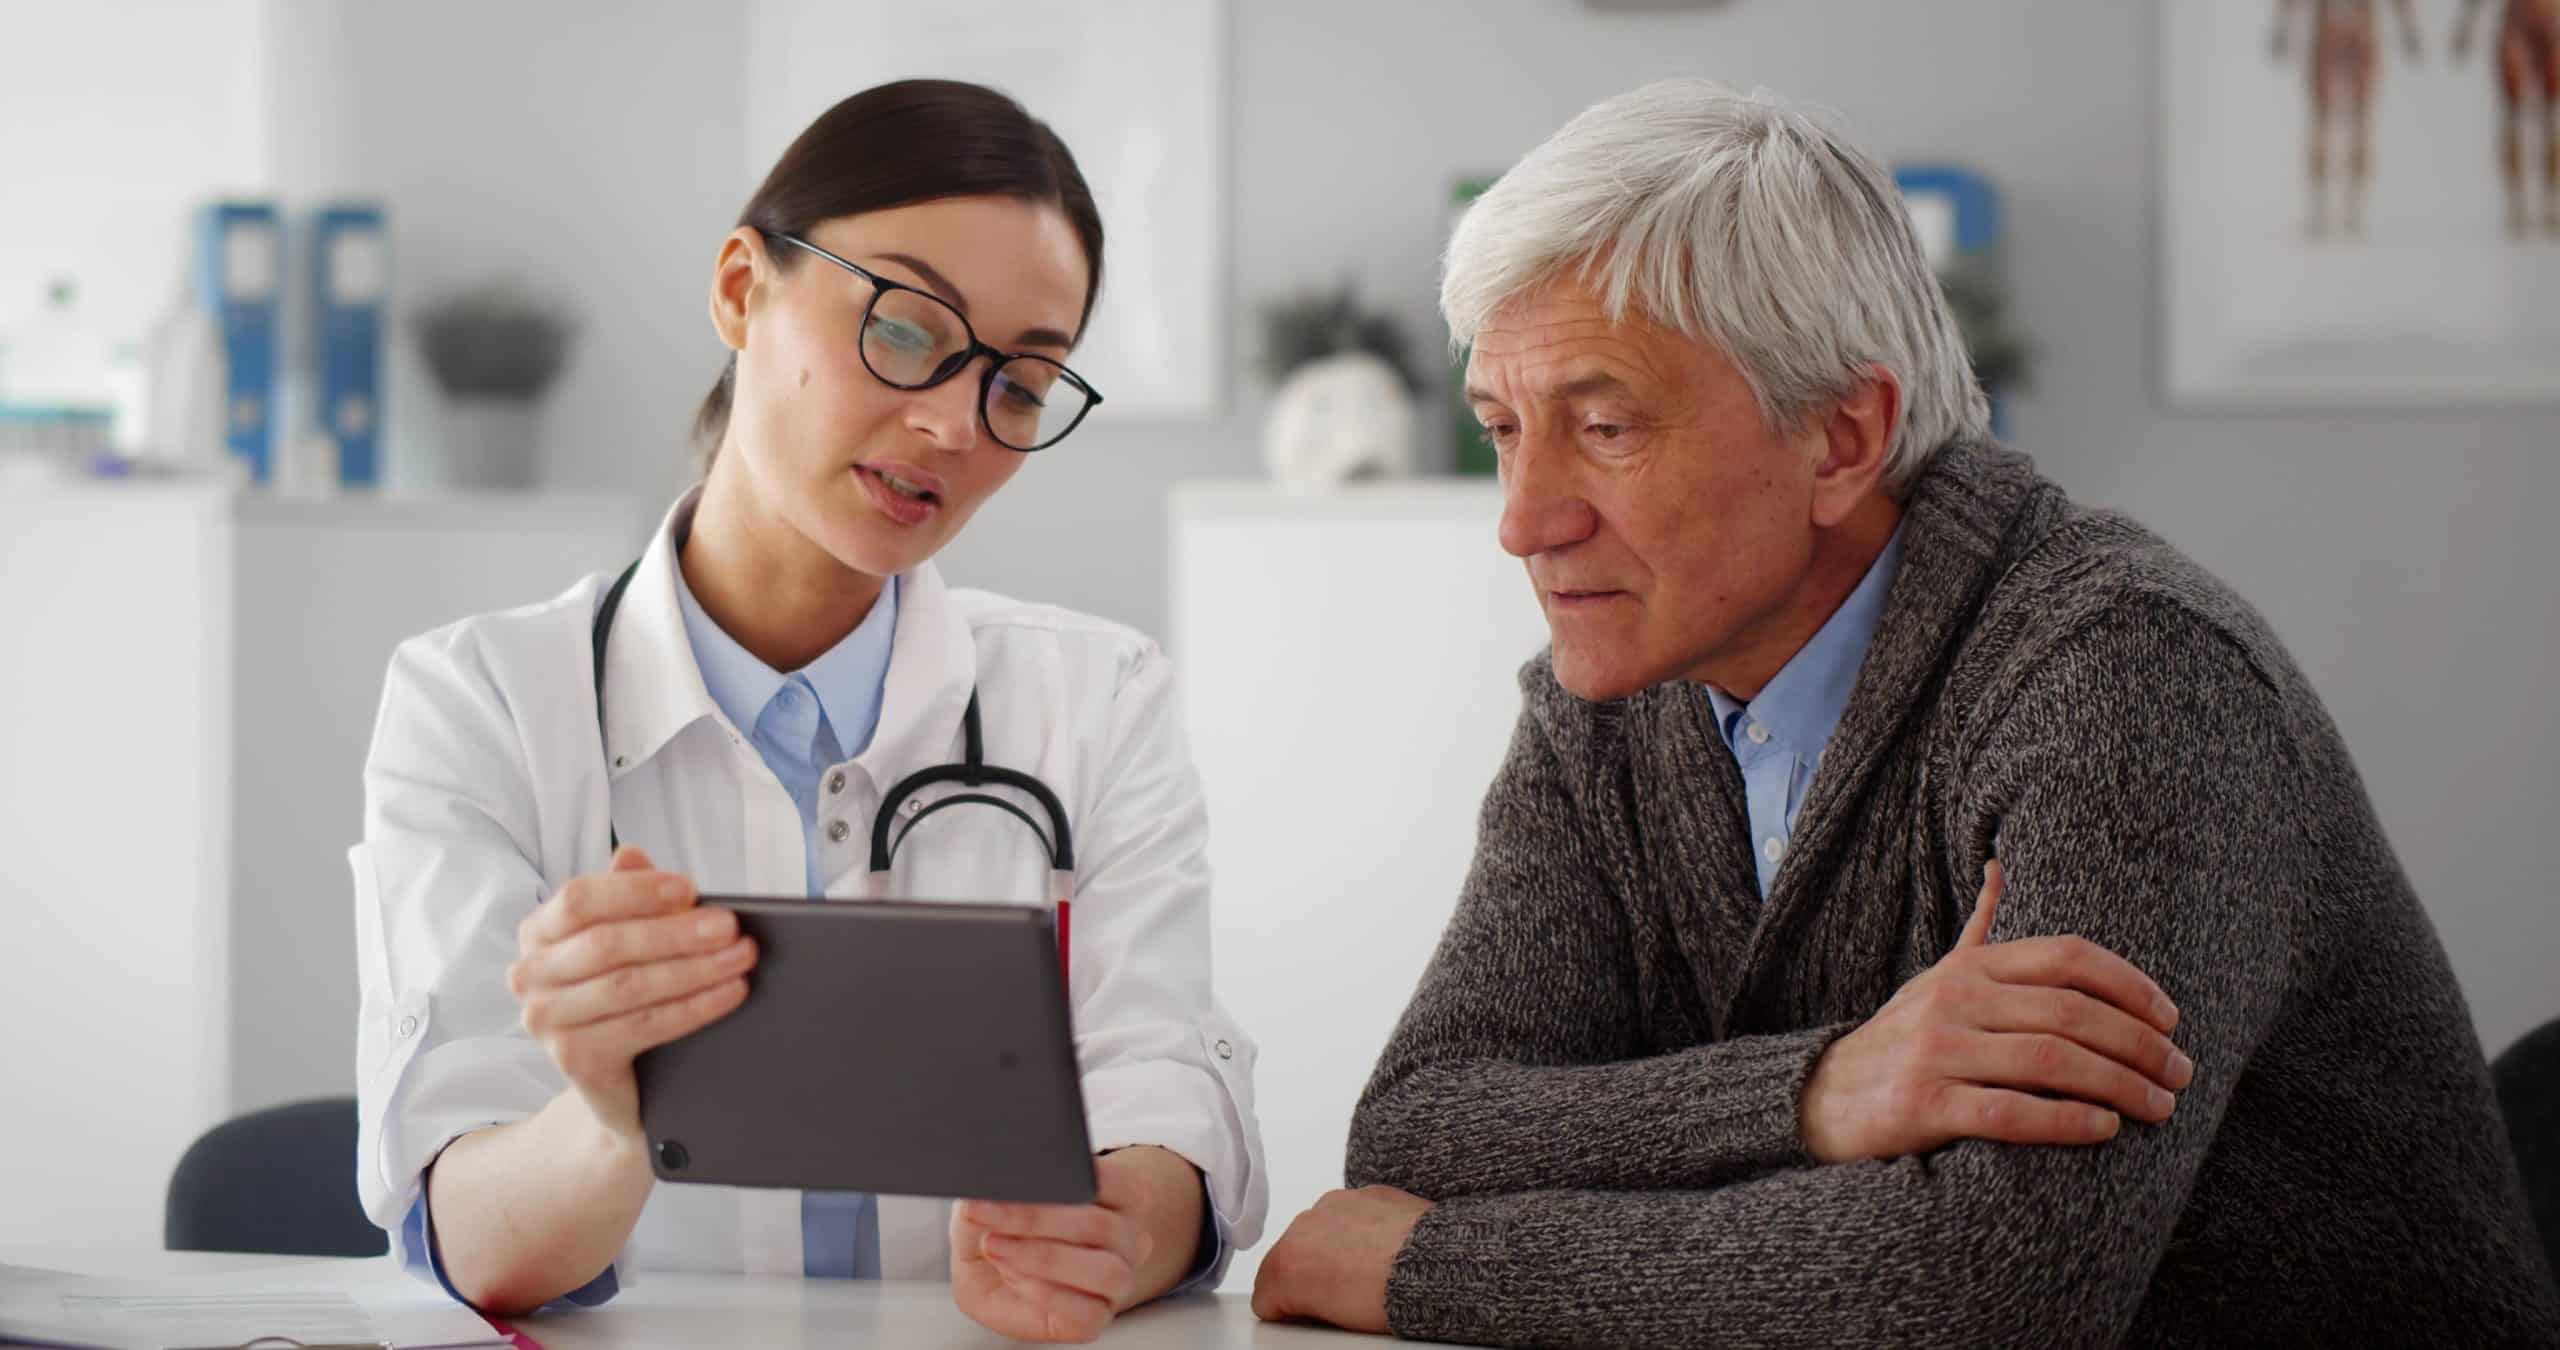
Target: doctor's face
[1665,528]
[881,478]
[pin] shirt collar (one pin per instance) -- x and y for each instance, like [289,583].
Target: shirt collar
[847,677]
[655,686]
[1802,705]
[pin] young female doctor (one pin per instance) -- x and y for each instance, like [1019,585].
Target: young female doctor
[900,298]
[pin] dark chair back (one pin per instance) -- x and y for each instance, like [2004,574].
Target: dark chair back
[2528,1079]
[280,1181]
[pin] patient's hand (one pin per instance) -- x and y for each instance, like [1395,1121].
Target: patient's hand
[1333,1263]
[1965,1050]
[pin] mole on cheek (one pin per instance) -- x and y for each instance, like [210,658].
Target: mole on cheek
[804,379]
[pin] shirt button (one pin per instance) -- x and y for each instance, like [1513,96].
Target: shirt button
[1759,734]
[1226,1051]
[1771,849]
[835,781]
[837,830]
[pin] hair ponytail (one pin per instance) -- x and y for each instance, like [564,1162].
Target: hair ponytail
[711,420]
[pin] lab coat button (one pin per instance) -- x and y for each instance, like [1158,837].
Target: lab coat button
[835,781]
[837,830]
[1226,1050]
[408,1027]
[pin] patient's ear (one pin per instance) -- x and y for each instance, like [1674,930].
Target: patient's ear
[1855,436]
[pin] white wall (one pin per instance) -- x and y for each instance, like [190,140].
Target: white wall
[106,145]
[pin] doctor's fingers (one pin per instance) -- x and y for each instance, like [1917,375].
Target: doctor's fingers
[632,989]
[1074,1225]
[1105,1275]
[619,944]
[603,1050]
[1041,1311]
[599,896]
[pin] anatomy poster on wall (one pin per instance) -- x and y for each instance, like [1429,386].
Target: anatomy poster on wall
[2361,202]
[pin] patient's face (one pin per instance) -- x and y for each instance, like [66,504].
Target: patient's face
[1664,527]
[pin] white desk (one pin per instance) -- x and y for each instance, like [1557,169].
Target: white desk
[661,1311]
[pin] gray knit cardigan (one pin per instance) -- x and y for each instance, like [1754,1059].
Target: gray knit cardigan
[1598,1079]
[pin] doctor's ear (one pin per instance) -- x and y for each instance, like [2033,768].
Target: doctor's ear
[742,266]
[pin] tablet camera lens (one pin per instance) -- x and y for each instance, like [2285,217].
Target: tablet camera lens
[672,1157]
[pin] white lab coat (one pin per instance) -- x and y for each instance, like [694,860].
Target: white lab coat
[486,790]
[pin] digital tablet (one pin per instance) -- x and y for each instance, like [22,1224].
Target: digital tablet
[898,1047]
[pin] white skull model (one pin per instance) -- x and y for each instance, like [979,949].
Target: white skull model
[1340,419]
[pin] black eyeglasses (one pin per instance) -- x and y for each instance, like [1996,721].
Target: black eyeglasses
[915,340]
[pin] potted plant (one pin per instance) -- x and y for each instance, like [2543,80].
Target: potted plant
[1980,303]
[495,351]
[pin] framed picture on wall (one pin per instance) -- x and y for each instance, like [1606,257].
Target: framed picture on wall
[2344,225]
[1137,91]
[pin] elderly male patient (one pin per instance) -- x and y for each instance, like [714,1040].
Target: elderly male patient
[1915,908]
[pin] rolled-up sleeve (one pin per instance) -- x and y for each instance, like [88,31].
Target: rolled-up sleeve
[1162,1063]
[442,879]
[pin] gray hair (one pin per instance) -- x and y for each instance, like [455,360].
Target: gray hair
[1741,222]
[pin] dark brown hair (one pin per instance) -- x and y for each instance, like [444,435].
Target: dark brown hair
[897,145]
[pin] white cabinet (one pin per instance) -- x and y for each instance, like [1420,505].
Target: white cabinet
[1349,669]
[188,679]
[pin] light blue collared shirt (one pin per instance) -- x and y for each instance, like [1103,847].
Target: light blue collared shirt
[809,721]
[1778,737]
[804,724]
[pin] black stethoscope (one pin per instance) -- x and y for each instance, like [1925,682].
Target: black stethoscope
[887,834]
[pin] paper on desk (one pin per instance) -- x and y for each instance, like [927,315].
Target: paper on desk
[313,1302]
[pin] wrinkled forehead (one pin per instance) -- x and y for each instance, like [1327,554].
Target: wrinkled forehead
[1560,342]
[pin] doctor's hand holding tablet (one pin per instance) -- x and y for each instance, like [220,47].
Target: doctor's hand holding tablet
[618,963]
[621,963]
[715,914]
